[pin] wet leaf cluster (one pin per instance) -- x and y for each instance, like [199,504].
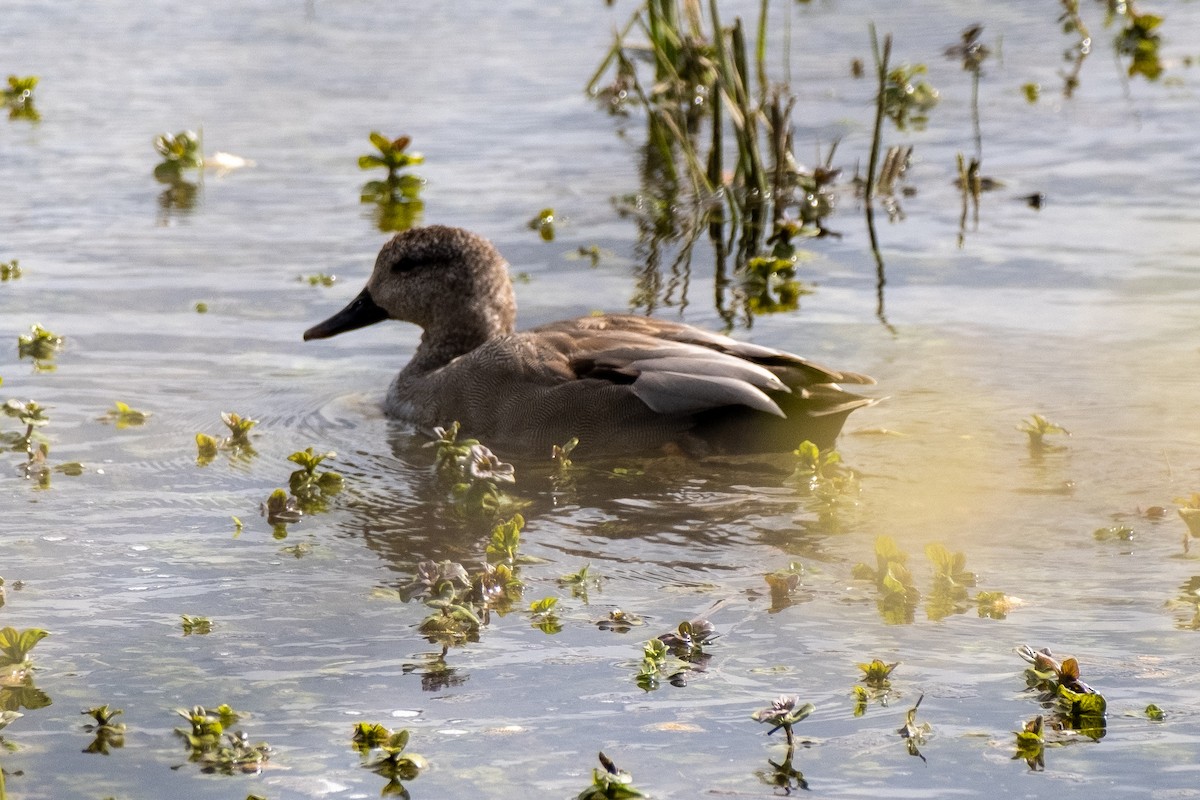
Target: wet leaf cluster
[1071,705]
[674,655]
[37,450]
[214,749]
[609,783]
[898,593]
[41,346]
[122,416]
[1139,41]
[17,689]
[472,474]
[397,198]
[543,223]
[10,270]
[18,98]
[109,735]
[309,492]
[391,761]
[1038,428]
[236,444]
[195,625]
[907,99]
[462,602]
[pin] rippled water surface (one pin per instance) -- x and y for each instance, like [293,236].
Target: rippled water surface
[1084,311]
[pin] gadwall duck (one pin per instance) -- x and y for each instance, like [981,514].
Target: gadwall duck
[621,383]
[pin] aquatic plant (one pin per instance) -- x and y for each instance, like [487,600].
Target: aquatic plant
[233,753]
[544,618]
[41,346]
[580,581]
[36,449]
[1155,713]
[312,489]
[18,98]
[108,734]
[237,443]
[10,270]
[1038,428]
[899,596]
[782,585]
[505,539]
[179,151]
[610,784]
[281,510]
[994,605]
[1073,25]
[397,197]
[472,472]
[951,578]
[784,712]
[1189,511]
[912,733]
[15,646]
[708,87]
[1074,705]
[1139,41]
[543,223]
[392,762]
[1031,744]
[877,674]
[196,625]
[319,279]
[684,646]
[122,416]
[907,100]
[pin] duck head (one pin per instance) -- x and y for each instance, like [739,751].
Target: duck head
[451,282]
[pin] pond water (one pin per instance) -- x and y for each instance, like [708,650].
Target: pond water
[1083,311]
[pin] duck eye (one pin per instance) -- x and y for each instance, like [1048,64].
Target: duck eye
[406,264]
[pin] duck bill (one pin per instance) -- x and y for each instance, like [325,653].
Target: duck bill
[361,312]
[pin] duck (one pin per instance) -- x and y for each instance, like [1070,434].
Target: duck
[618,383]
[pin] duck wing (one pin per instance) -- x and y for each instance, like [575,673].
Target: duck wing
[670,377]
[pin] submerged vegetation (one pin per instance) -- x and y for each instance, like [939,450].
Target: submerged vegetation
[719,160]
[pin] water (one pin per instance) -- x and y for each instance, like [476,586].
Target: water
[1082,311]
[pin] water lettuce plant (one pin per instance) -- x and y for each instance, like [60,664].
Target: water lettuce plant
[10,270]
